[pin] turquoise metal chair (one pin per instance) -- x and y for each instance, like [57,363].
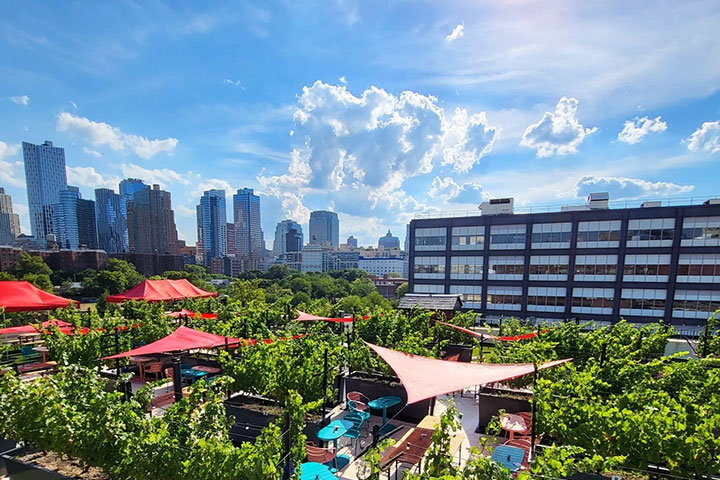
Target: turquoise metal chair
[355,431]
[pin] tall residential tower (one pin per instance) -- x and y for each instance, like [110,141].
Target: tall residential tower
[248,233]
[212,224]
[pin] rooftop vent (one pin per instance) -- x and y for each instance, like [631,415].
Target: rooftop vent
[598,201]
[652,204]
[712,201]
[498,206]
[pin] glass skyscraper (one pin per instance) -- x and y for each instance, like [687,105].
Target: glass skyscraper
[288,237]
[128,188]
[212,224]
[73,220]
[324,228]
[45,178]
[248,233]
[111,221]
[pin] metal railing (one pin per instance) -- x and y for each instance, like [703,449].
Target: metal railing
[550,208]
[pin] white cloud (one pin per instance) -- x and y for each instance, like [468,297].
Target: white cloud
[705,138]
[343,80]
[89,177]
[457,33]
[24,212]
[74,105]
[100,133]
[11,172]
[161,176]
[235,83]
[185,210]
[635,130]
[20,100]
[92,152]
[557,132]
[363,148]
[213,184]
[621,188]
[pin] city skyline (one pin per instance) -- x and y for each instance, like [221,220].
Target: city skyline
[366,117]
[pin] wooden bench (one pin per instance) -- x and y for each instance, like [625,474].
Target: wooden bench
[36,367]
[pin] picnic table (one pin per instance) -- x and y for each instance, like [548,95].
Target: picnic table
[409,449]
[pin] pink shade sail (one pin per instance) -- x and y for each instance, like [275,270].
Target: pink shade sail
[161,291]
[306,317]
[468,331]
[31,329]
[189,313]
[21,296]
[425,377]
[183,338]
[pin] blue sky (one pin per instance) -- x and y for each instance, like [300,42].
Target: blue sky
[378,110]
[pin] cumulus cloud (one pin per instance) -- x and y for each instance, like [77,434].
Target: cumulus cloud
[367,146]
[213,184]
[161,176]
[11,172]
[448,190]
[20,100]
[621,188]
[457,33]
[635,130]
[92,152]
[89,177]
[100,133]
[557,132]
[705,138]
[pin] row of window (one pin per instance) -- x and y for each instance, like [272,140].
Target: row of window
[633,301]
[656,232]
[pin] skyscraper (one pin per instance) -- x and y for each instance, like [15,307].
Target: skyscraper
[73,220]
[324,228]
[351,242]
[110,215]
[45,178]
[212,224]
[128,187]
[388,241]
[9,221]
[288,237]
[151,222]
[248,233]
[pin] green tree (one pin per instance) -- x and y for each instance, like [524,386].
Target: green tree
[132,276]
[4,276]
[32,264]
[40,280]
[402,289]
[362,287]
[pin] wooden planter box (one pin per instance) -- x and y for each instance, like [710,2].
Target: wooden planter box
[491,403]
[375,386]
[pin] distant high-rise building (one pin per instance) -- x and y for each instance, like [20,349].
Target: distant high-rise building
[324,228]
[388,241]
[45,178]
[249,243]
[212,224]
[73,220]
[352,242]
[110,215]
[9,221]
[231,250]
[288,237]
[128,187]
[151,222]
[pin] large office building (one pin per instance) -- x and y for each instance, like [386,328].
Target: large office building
[588,262]
[9,221]
[288,238]
[249,243]
[110,215]
[73,220]
[151,222]
[380,266]
[212,224]
[45,178]
[128,187]
[388,241]
[324,228]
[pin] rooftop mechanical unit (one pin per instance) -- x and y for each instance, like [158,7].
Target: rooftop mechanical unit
[498,206]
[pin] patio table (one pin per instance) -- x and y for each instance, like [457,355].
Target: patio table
[43,351]
[334,430]
[513,424]
[509,457]
[383,403]
[141,361]
[315,471]
[206,369]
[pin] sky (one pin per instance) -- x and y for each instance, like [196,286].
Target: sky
[378,110]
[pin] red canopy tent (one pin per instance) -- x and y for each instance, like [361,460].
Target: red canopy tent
[21,296]
[161,291]
[183,338]
[424,377]
[31,329]
[189,313]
